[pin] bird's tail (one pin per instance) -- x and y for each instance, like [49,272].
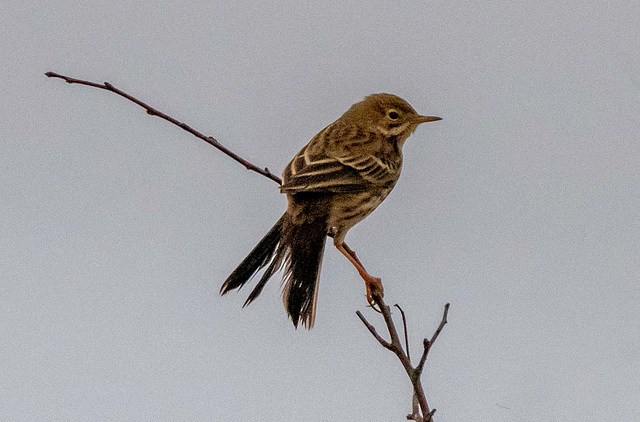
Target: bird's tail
[299,247]
[257,259]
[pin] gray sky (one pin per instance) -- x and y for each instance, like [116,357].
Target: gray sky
[521,208]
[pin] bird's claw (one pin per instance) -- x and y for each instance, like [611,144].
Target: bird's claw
[374,306]
[375,293]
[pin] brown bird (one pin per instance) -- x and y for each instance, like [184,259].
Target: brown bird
[334,182]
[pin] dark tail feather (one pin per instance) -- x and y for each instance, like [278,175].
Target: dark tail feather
[300,247]
[303,246]
[256,260]
[275,266]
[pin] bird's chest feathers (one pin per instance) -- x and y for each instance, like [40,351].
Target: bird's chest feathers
[390,153]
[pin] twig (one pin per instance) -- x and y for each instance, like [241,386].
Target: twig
[396,347]
[427,344]
[442,324]
[415,402]
[153,112]
[404,326]
[374,333]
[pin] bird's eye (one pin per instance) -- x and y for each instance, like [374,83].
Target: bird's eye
[393,115]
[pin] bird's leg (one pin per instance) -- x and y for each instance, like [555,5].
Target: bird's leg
[373,284]
[352,253]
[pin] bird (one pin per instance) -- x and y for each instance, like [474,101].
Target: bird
[334,182]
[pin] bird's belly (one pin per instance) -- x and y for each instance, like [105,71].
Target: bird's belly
[349,209]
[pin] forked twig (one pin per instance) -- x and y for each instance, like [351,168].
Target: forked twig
[427,344]
[415,403]
[396,347]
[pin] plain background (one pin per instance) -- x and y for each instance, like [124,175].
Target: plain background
[521,208]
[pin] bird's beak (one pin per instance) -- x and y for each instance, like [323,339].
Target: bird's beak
[423,119]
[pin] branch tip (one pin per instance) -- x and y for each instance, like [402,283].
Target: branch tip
[404,325]
[153,112]
[374,333]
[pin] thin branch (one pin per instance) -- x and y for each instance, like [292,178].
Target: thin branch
[415,409]
[442,324]
[425,351]
[153,112]
[373,332]
[404,326]
[415,401]
[427,344]
[393,332]
[396,347]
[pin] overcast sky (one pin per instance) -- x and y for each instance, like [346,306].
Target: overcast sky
[521,208]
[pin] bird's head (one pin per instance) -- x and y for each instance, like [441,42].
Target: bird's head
[388,115]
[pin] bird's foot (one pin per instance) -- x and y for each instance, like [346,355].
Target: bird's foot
[375,292]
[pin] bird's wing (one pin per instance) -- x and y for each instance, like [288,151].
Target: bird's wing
[321,167]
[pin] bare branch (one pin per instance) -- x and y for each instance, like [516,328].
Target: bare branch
[373,332]
[404,325]
[415,403]
[415,409]
[153,112]
[442,324]
[393,332]
[423,358]
[424,414]
[427,344]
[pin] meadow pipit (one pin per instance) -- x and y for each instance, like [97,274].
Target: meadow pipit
[334,182]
